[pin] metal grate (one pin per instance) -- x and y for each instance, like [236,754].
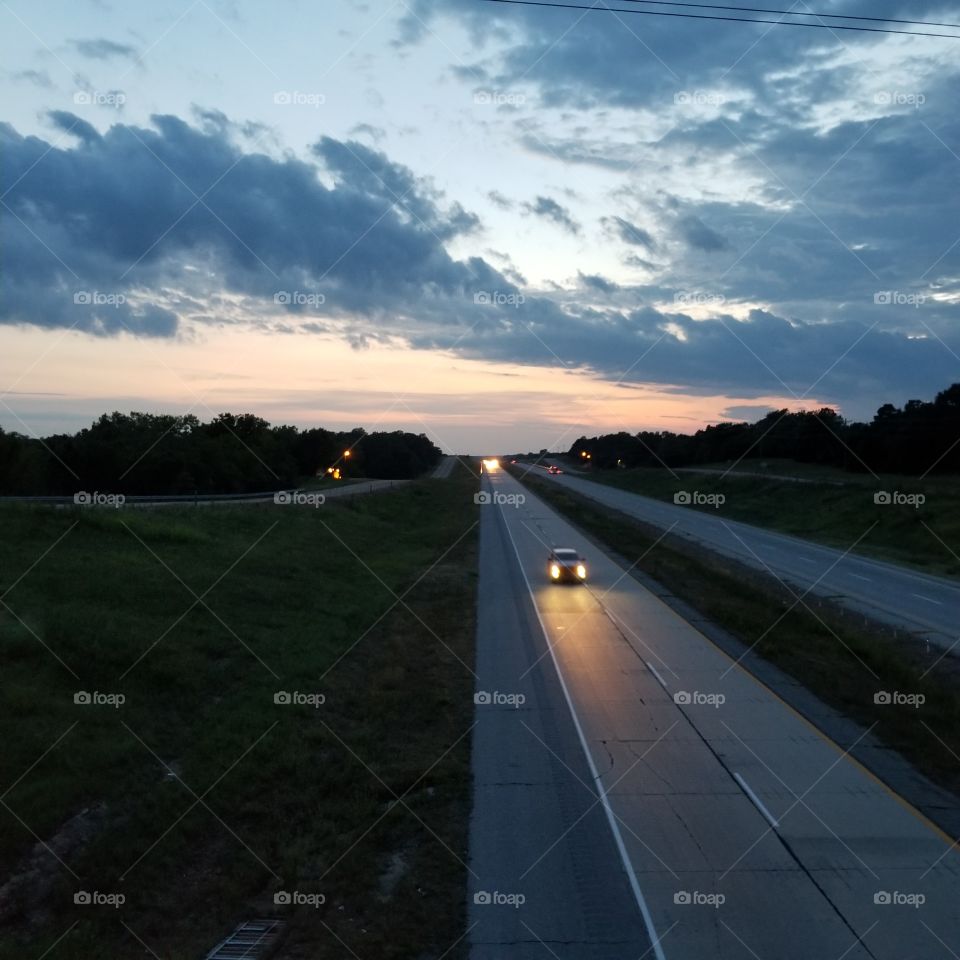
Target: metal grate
[252,940]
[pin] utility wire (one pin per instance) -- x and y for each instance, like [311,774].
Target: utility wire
[702,16]
[798,13]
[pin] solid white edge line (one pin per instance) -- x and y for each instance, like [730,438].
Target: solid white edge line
[756,801]
[611,819]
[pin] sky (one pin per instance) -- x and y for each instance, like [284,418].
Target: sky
[502,226]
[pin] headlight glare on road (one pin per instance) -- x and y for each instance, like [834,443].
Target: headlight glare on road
[581,571]
[555,571]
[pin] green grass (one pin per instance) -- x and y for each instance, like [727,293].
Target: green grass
[834,654]
[293,797]
[925,537]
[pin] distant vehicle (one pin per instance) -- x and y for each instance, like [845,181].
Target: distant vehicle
[553,469]
[565,564]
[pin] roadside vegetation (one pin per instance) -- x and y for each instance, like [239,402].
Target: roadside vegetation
[839,656]
[828,506]
[146,453]
[199,796]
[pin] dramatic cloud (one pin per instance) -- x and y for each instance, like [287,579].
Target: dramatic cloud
[630,233]
[549,209]
[103,49]
[353,243]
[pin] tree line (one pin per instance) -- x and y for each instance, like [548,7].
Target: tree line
[918,438]
[145,453]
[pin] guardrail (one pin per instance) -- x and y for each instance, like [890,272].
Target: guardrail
[159,498]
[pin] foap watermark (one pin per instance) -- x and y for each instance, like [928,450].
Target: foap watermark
[94,698]
[899,98]
[96,898]
[98,298]
[896,698]
[485,698]
[699,98]
[298,98]
[494,898]
[895,498]
[499,98]
[696,898]
[896,898]
[486,498]
[298,498]
[694,498]
[697,698]
[496,298]
[898,298]
[84,498]
[697,298]
[299,298]
[296,698]
[100,98]
[297,898]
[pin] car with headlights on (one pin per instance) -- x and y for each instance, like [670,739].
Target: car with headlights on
[565,565]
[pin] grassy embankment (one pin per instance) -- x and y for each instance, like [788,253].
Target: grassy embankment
[200,796]
[830,506]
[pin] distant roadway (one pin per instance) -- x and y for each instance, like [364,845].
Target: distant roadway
[896,595]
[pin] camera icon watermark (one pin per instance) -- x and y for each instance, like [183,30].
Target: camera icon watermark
[497,298]
[495,898]
[484,698]
[699,98]
[895,498]
[896,698]
[696,898]
[83,498]
[95,698]
[295,698]
[298,498]
[98,298]
[499,98]
[298,898]
[695,698]
[899,98]
[895,898]
[95,898]
[897,298]
[299,298]
[695,298]
[694,498]
[298,98]
[485,498]
[100,98]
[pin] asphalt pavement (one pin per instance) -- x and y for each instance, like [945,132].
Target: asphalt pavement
[649,797]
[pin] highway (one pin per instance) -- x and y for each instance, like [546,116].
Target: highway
[926,605]
[637,794]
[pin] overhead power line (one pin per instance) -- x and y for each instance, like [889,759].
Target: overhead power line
[798,13]
[594,8]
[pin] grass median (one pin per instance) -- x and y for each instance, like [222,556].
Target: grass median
[278,698]
[830,507]
[840,657]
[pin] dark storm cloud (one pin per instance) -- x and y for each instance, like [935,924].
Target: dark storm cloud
[630,233]
[88,229]
[594,281]
[698,235]
[71,123]
[138,227]
[99,48]
[549,209]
